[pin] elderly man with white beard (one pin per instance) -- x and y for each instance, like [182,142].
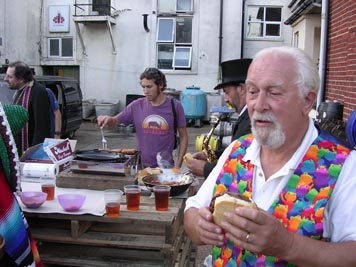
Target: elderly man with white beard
[299,179]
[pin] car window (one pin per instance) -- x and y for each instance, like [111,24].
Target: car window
[72,92]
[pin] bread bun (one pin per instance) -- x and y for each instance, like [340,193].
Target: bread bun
[187,157]
[229,202]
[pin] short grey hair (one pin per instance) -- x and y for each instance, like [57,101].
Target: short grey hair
[308,77]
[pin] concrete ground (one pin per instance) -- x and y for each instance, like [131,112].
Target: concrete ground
[89,137]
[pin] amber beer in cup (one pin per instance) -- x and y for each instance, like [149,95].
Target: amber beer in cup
[133,194]
[48,186]
[161,193]
[112,199]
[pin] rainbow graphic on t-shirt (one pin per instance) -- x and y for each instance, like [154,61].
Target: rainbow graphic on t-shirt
[155,124]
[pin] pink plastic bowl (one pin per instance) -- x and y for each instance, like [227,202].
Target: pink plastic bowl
[33,200]
[71,202]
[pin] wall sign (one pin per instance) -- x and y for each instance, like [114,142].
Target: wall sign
[58,18]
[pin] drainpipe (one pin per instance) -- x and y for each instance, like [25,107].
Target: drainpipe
[323,49]
[242,29]
[220,31]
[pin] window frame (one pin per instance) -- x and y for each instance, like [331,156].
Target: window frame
[176,45]
[60,47]
[173,30]
[175,5]
[188,66]
[264,23]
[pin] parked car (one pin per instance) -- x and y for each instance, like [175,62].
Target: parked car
[68,94]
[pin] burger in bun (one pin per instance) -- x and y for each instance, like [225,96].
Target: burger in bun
[187,157]
[228,202]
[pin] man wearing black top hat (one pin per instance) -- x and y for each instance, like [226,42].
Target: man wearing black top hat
[234,73]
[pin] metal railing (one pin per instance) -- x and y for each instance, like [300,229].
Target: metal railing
[86,9]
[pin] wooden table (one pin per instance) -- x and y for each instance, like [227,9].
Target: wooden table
[136,238]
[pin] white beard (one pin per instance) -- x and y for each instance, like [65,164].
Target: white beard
[272,137]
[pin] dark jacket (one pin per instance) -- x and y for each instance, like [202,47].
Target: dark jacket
[242,127]
[39,117]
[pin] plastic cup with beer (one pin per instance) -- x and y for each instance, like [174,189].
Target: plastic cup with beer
[161,193]
[133,194]
[112,199]
[48,185]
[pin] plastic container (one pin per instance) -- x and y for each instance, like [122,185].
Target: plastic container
[194,103]
[88,108]
[330,110]
[107,107]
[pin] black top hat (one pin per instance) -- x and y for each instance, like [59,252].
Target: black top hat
[234,72]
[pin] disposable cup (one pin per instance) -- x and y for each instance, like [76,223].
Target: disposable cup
[112,199]
[133,195]
[161,193]
[48,185]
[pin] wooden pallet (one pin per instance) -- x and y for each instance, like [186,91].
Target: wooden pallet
[136,238]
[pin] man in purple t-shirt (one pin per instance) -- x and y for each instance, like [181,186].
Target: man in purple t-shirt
[153,118]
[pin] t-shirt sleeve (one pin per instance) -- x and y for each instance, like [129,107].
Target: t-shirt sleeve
[126,116]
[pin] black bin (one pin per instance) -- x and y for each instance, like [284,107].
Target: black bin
[130,98]
[330,110]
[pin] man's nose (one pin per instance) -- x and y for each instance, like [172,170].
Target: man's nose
[261,102]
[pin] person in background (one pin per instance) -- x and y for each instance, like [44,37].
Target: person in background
[301,182]
[233,84]
[55,115]
[19,248]
[34,98]
[153,119]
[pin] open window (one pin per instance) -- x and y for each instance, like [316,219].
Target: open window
[174,43]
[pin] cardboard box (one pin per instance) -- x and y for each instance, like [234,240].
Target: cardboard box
[47,159]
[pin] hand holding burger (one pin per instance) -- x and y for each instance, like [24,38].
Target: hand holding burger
[228,202]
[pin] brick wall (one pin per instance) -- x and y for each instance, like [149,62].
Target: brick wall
[341,66]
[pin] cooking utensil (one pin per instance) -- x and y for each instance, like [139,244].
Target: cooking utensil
[176,189]
[100,155]
[103,140]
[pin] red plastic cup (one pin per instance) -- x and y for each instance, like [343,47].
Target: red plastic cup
[133,195]
[112,202]
[161,193]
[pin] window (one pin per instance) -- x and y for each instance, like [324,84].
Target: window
[173,6]
[174,43]
[182,56]
[60,47]
[264,22]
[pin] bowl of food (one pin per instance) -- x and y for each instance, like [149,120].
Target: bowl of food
[33,200]
[178,183]
[71,202]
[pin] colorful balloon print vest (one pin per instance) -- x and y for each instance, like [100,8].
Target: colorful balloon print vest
[300,205]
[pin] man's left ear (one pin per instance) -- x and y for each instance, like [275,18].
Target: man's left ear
[309,101]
